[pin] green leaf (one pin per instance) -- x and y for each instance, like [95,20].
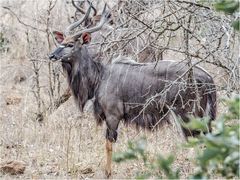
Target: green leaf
[118,157]
[228,6]
[192,142]
[208,154]
[197,124]
[236,25]
[128,155]
[232,157]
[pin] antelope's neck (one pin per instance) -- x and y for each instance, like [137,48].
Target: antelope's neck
[95,73]
[84,79]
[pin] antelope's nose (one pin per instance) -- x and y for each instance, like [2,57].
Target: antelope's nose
[56,54]
[51,56]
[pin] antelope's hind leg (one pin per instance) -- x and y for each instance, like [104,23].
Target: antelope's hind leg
[111,137]
[108,170]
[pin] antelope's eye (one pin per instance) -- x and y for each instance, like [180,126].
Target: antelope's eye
[70,45]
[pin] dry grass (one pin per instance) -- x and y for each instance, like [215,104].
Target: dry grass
[68,144]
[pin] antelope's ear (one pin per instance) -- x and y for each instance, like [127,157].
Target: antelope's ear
[59,37]
[86,37]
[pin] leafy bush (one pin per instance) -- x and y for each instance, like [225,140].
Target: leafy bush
[229,7]
[218,152]
[221,152]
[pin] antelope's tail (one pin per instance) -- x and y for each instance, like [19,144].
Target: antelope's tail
[212,104]
[211,109]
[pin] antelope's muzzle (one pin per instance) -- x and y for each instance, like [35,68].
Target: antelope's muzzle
[57,54]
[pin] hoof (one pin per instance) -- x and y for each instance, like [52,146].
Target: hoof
[108,173]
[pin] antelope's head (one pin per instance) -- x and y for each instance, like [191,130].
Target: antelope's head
[69,45]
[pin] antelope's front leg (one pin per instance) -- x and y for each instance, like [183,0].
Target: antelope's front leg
[108,169]
[111,136]
[112,121]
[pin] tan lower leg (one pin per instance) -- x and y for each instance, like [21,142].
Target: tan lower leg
[109,158]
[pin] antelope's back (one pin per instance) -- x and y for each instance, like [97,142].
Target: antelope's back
[135,82]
